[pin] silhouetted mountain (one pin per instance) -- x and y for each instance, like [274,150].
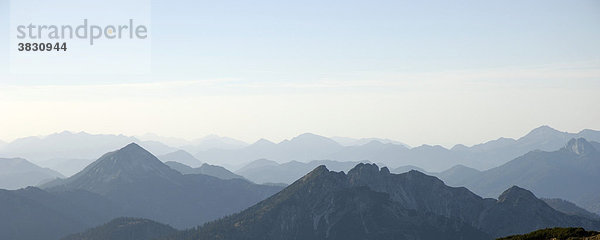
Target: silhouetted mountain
[125,229]
[136,180]
[206,169]
[67,145]
[327,205]
[557,234]
[33,214]
[18,173]
[265,171]
[567,173]
[569,208]
[181,156]
[372,203]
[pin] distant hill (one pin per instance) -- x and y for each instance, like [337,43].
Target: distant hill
[125,229]
[19,173]
[265,171]
[182,157]
[206,169]
[136,180]
[567,173]
[372,203]
[557,234]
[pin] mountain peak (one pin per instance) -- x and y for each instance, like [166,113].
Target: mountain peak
[310,138]
[133,147]
[516,195]
[579,146]
[368,169]
[542,132]
[128,164]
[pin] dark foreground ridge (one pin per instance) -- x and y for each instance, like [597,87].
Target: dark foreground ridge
[372,203]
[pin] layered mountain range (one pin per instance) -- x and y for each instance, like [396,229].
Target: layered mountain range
[127,182]
[569,173]
[53,150]
[366,203]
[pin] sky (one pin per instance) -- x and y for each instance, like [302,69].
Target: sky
[420,72]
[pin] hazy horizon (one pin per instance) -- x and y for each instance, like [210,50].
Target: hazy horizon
[150,136]
[420,73]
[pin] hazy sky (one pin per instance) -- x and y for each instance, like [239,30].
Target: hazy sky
[435,72]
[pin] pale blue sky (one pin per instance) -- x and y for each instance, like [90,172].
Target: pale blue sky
[436,72]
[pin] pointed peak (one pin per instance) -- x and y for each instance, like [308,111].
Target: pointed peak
[579,146]
[132,146]
[315,173]
[263,142]
[542,131]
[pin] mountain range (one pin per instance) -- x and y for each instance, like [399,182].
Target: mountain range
[308,147]
[61,150]
[569,173]
[372,203]
[367,202]
[17,172]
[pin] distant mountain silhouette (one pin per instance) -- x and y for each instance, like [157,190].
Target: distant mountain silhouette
[568,173]
[181,156]
[309,147]
[19,173]
[345,141]
[372,203]
[265,171]
[213,142]
[136,180]
[125,229]
[68,145]
[303,148]
[206,169]
[407,168]
[569,208]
